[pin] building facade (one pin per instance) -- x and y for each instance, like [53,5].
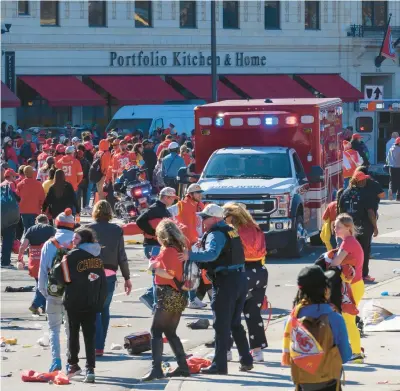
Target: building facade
[171,40]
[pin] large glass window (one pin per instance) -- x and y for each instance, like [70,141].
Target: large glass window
[268,165]
[272,15]
[143,14]
[374,13]
[49,13]
[23,7]
[312,15]
[97,13]
[364,125]
[188,14]
[231,15]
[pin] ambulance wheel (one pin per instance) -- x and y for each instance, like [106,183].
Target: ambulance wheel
[316,240]
[297,243]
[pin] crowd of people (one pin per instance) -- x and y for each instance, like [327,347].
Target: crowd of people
[75,266]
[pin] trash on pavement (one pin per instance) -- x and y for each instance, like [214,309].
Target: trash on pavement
[199,324]
[196,364]
[8,341]
[29,288]
[57,377]
[27,346]
[386,293]
[7,375]
[377,318]
[138,342]
[116,346]
[44,341]
[122,325]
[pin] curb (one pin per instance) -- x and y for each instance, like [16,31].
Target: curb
[176,385]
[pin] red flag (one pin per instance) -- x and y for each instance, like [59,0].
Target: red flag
[388,49]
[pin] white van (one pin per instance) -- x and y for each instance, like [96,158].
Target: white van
[148,118]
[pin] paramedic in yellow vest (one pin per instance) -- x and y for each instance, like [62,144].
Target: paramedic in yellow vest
[351,160]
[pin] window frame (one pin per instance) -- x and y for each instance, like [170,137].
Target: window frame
[278,3]
[181,2]
[359,125]
[373,21]
[318,11]
[57,24]
[150,12]
[27,8]
[104,4]
[238,14]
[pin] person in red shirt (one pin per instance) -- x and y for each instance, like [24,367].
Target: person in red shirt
[43,156]
[105,157]
[171,301]
[330,215]
[164,144]
[10,175]
[60,152]
[184,152]
[120,160]
[71,167]
[32,196]
[351,253]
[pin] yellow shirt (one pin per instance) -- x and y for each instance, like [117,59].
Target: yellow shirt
[46,185]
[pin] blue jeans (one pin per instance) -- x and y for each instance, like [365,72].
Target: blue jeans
[39,300]
[28,220]
[151,251]
[91,188]
[192,295]
[103,318]
[8,237]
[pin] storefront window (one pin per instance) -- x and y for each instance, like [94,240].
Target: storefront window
[23,8]
[374,13]
[271,15]
[188,14]
[143,14]
[364,125]
[97,13]
[231,15]
[312,15]
[49,13]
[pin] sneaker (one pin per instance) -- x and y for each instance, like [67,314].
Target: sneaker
[34,310]
[229,356]
[196,304]
[74,370]
[89,378]
[258,356]
[99,352]
[369,279]
[356,359]
[55,365]
[147,301]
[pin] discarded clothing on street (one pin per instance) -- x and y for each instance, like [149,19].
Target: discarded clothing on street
[57,377]
[21,289]
[199,324]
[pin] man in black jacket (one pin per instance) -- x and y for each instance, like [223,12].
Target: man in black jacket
[148,222]
[150,158]
[360,147]
[82,192]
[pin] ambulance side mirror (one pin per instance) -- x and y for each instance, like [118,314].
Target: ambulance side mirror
[316,175]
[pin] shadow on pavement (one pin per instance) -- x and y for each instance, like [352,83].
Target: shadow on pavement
[131,383]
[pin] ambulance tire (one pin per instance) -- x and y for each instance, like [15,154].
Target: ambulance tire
[316,240]
[297,242]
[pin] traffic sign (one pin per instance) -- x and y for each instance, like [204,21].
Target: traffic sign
[373,92]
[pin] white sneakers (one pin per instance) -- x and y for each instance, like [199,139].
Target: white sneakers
[257,356]
[196,304]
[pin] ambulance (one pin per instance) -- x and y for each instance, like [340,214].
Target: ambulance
[281,158]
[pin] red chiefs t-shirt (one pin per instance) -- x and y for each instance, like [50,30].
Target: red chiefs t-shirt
[168,260]
[355,256]
[330,212]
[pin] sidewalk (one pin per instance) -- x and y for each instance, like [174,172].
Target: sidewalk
[382,363]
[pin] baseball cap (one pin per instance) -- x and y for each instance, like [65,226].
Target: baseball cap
[194,188]
[10,172]
[45,147]
[397,141]
[70,149]
[48,141]
[212,210]
[60,148]
[173,145]
[75,140]
[127,138]
[360,176]
[312,277]
[356,136]
[169,192]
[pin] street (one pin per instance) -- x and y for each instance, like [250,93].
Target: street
[118,371]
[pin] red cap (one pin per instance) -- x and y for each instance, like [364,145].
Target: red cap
[60,148]
[10,172]
[360,176]
[48,141]
[397,141]
[128,138]
[356,136]
[45,147]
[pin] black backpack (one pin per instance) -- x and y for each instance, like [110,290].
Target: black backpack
[95,173]
[9,207]
[55,285]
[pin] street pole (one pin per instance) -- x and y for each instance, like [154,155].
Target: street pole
[213,51]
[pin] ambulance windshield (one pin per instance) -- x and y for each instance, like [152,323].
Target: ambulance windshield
[263,166]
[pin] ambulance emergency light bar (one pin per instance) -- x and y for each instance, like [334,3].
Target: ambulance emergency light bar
[382,105]
[240,119]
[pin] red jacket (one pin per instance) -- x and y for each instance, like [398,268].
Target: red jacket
[32,196]
[253,241]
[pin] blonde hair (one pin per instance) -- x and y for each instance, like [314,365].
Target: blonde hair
[346,220]
[184,149]
[169,235]
[102,211]
[240,215]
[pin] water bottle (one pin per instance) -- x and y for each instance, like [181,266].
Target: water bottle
[386,293]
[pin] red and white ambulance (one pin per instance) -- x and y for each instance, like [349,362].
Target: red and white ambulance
[282,158]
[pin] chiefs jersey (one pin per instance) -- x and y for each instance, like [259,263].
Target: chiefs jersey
[120,161]
[72,169]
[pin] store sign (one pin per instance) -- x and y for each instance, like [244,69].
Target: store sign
[373,92]
[185,59]
[383,105]
[10,70]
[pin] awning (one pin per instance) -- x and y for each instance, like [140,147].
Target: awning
[133,90]
[333,86]
[200,86]
[64,91]
[8,98]
[269,86]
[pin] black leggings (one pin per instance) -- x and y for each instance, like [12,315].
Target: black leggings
[165,322]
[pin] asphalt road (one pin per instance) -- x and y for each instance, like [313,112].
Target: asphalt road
[117,370]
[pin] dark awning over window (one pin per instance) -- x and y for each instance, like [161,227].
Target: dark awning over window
[8,98]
